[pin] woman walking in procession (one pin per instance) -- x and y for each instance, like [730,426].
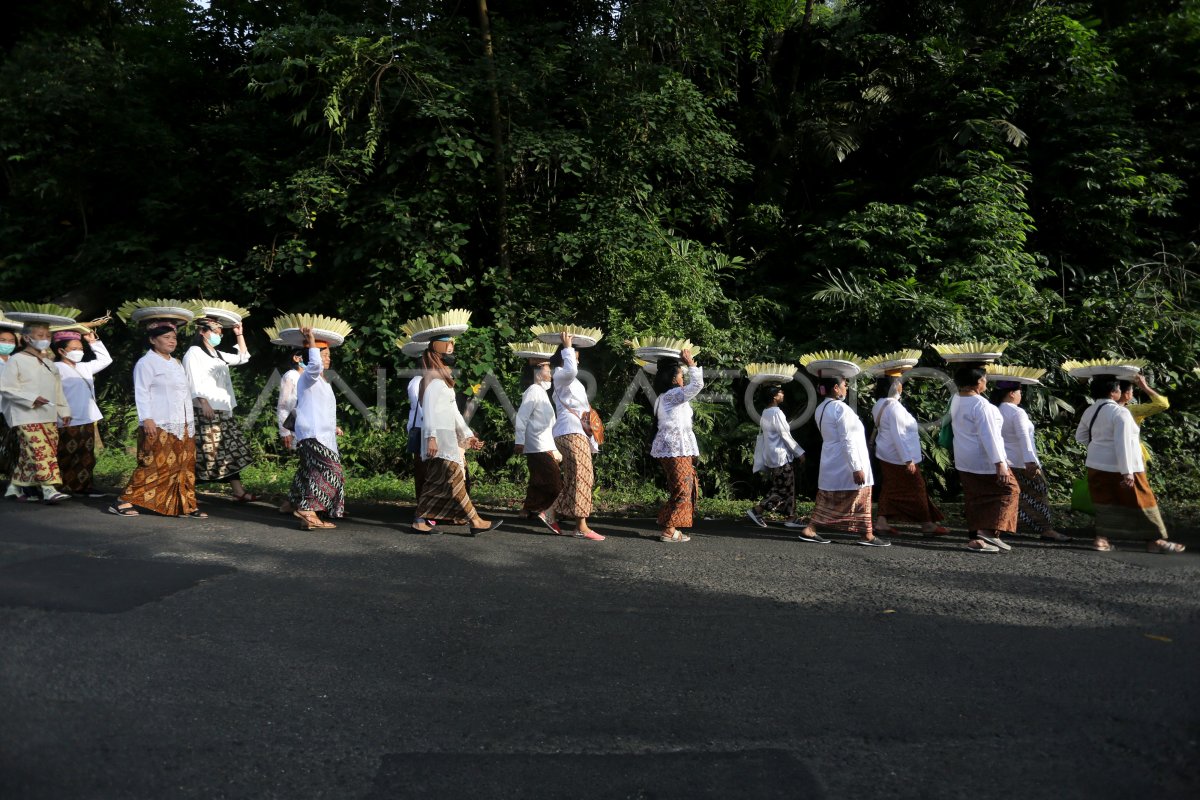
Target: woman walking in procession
[221,448]
[533,436]
[576,445]
[903,495]
[990,492]
[774,453]
[77,441]
[34,403]
[675,444]
[10,332]
[319,484]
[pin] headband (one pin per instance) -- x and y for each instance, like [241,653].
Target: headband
[321,345]
[160,326]
[65,336]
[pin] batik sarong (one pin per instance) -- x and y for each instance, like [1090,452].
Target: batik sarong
[844,510]
[1125,511]
[164,480]
[319,484]
[988,503]
[682,493]
[781,497]
[222,451]
[1033,509]
[545,483]
[444,497]
[77,457]
[37,455]
[904,497]
[575,500]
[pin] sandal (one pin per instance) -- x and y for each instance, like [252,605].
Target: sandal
[493,525]
[308,520]
[675,536]
[1165,547]
[1103,546]
[940,530]
[126,510]
[245,497]
[1054,536]
[197,514]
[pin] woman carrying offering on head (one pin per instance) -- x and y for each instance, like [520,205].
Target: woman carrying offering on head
[1020,449]
[77,441]
[34,403]
[164,480]
[10,332]
[903,495]
[675,444]
[774,452]
[1121,494]
[533,437]
[446,436]
[221,448]
[990,492]
[844,482]
[576,445]
[319,485]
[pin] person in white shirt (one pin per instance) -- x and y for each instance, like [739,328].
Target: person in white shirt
[844,482]
[164,480]
[1117,481]
[533,437]
[990,492]
[34,402]
[9,331]
[444,496]
[319,484]
[902,493]
[416,421]
[222,451]
[576,445]
[77,441]
[675,444]
[1020,450]
[774,453]
[285,407]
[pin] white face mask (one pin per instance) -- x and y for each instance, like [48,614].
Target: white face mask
[545,385]
[40,344]
[75,355]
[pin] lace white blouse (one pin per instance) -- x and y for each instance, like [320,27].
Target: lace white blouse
[775,445]
[843,448]
[1017,432]
[287,399]
[533,427]
[25,378]
[897,438]
[316,407]
[570,398]
[209,376]
[444,423]
[978,442]
[79,385]
[675,438]
[162,394]
[1114,444]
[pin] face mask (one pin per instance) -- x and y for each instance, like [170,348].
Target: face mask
[214,339]
[40,344]
[75,355]
[545,385]
[448,359]
[6,349]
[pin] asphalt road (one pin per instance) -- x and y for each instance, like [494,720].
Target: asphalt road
[240,657]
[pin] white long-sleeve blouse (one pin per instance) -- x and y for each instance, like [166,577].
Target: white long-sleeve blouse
[25,378]
[209,375]
[843,448]
[673,409]
[1114,442]
[897,437]
[162,394]
[1016,429]
[533,427]
[978,442]
[570,398]
[316,407]
[444,423]
[79,385]
[287,400]
[416,416]
[775,445]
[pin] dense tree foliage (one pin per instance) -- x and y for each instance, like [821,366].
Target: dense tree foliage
[764,176]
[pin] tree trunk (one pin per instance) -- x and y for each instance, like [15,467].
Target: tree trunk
[497,151]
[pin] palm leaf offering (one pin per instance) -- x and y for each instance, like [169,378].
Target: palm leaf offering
[135,311]
[47,309]
[551,334]
[662,343]
[1119,367]
[830,355]
[967,349]
[223,311]
[532,349]
[314,321]
[455,318]
[765,371]
[1013,372]
[885,362]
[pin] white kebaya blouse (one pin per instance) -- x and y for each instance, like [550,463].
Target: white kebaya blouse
[533,428]
[570,398]
[1114,444]
[897,437]
[775,445]
[675,438]
[79,385]
[162,394]
[287,400]
[978,442]
[209,375]
[316,407]
[1017,432]
[25,378]
[843,448]
[416,415]
[444,423]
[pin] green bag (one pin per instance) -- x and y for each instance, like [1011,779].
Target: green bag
[1081,497]
[946,432]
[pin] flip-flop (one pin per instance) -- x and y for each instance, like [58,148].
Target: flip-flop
[246,497]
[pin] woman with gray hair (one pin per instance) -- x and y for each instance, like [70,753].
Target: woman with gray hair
[903,494]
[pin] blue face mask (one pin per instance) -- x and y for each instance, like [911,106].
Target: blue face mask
[6,349]
[214,339]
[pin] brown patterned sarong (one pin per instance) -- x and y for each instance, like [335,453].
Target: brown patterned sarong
[319,483]
[165,478]
[904,496]
[846,510]
[221,448]
[1125,511]
[989,505]
[781,498]
[444,496]
[37,455]
[545,483]
[575,500]
[77,456]
[1033,510]
[682,493]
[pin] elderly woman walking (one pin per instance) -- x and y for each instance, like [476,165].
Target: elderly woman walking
[675,444]
[576,445]
[990,492]
[533,437]
[34,402]
[774,453]
[77,441]
[903,494]
[319,484]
